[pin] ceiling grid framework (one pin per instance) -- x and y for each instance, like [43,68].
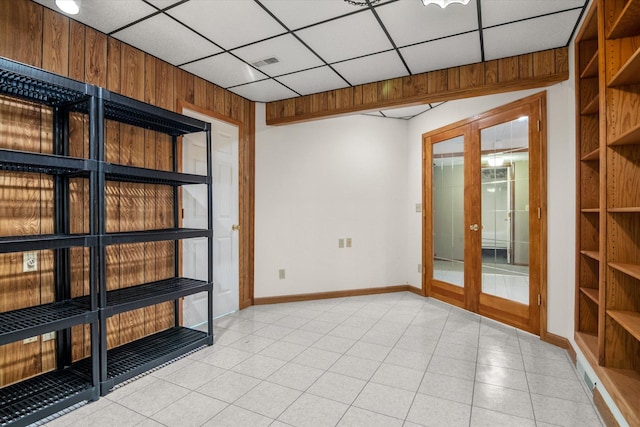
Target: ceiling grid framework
[324,45]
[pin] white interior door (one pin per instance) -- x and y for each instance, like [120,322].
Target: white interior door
[224,146]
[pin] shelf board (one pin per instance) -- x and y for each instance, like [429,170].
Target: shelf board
[591,155]
[592,107]
[22,161]
[44,241]
[590,210]
[632,270]
[627,23]
[629,73]
[630,209]
[137,357]
[592,294]
[125,173]
[36,398]
[591,70]
[131,111]
[134,297]
[632,136]
[31,321]
[154,235]
[36,85]
[591,254]
[629,320]
[589,345]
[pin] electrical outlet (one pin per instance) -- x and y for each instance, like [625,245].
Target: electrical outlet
[29,261]
[419,268]
[48,336]
[348,242]
[29,340]
[418,207]
[281,273]
[341,243]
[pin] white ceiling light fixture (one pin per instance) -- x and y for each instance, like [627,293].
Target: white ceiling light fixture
[363,2]
[444,3]
[72,7]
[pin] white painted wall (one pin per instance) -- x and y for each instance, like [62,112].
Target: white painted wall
[320,181]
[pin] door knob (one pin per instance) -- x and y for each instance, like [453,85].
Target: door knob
[235,227]
[474,227]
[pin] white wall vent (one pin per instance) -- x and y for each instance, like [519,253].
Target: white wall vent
[266,61]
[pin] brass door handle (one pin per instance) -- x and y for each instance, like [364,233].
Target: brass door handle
[474,227]
[235,227]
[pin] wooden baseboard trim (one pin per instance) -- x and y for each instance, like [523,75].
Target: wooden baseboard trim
[561,342]
[604,410]
[417,291]
[333,294]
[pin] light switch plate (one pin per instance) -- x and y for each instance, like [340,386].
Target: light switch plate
[341,243]
[348,242]
[281,273]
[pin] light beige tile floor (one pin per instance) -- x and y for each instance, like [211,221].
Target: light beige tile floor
[381,360]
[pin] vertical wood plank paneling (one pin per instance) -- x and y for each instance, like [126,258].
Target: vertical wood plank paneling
[471,75]
[453,79]
[525,66]
[319,102]
[562,60]
[55,42]
[544,63]
[95,57]
[356,95]
[183,86]
[369,93]
[289,107]
[491,72]
[415,85]
[507,69]
[344,98]
[199,91]
[219,100]
[437,81]
[21,31]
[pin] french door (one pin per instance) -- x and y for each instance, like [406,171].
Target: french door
[484,243]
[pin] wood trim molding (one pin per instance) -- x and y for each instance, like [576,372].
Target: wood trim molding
[561,342]
[528,71]
[335,294]
[604,409]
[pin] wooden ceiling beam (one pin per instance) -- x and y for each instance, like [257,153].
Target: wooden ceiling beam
[528,71]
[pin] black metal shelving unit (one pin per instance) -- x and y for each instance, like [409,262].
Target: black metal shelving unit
[29,400]
[35,398]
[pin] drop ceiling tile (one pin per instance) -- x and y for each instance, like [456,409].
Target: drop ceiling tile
[161,4]
[297,14]
[224,70]
[107,16]
[372,68]
[348,37]
[496,12]
[410,22]
[313,81]
[443,53]
[165,38]
[529,36]
[263,91]
[293,55]
[230,23]
[405,112]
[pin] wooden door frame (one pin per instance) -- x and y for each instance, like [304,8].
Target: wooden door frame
[537,103]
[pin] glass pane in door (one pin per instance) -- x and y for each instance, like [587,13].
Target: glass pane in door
[448,211]
[505,210]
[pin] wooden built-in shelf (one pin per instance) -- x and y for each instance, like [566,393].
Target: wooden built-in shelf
[589,345]
[632,270]
[627,23]
[632,136]
[630,209]
[629,73]
[629,320]
[591,70]
[591,155]
[592,294]
[591,254]
[590,210]
[592,107]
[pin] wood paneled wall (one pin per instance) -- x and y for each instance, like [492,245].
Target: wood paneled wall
[38,36]
[526,71]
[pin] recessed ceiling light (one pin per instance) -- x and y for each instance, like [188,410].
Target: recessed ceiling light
[72,7]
